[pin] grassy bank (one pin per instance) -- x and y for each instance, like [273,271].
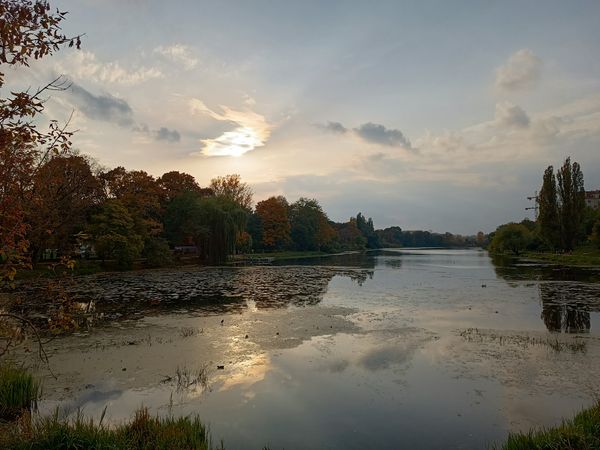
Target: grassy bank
[580,433]
[583,256]
[142,432]
[19,391]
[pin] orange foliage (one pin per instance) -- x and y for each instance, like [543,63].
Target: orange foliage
[275,222]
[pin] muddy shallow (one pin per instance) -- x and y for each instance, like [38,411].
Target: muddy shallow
[394,349]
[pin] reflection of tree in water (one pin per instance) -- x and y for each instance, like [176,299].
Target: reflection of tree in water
[134,295]
[566,308]
[277,287]
[568,294]
[514,269]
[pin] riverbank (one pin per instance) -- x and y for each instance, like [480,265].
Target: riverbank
[581,432]
[584,256]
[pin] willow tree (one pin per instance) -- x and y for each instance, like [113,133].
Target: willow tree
[221,221]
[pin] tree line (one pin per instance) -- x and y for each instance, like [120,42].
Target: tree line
[124,215]
[563,222]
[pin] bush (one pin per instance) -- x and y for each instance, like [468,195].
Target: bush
[157,253]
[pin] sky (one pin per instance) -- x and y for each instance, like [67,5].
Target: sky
[434,115]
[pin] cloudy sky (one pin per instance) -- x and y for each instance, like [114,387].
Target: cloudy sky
[437,115]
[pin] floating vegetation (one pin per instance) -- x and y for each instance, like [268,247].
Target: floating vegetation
[189,331]
[186,378]
[574,345]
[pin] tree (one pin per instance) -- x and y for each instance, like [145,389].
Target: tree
[571,193]
[213,224]
[174,183]
[64,191]
[232,188]
[222,221]
[368,231]
[140,194]
[511,237]
[114,234]
[28,30]
[275,222]
[310,228]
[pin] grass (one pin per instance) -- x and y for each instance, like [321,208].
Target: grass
[142,432]
[19,391]
[582,256]
[573,345]
[580,433]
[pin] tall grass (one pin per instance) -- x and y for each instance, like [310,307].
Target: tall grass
[580,433]
[19,391]
[142,432]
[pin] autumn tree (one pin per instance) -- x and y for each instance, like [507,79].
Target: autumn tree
[233,188]
[63,194]
[571,194]
[275,223]
[175,183]
[140,193]
[28,30]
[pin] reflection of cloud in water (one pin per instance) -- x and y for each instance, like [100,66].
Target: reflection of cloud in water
[384,357]
[247,373]
[94,397]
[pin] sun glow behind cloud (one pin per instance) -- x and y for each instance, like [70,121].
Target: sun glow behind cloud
[252,130]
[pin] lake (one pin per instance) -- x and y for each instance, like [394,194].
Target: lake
[422,348]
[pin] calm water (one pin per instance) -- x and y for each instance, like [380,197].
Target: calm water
[391,349]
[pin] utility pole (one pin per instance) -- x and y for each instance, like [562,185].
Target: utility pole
[535,207]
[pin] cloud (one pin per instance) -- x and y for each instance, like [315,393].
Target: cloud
[378,134]
[84,65]
[510,115]
[333,127]
[521,71]
[178,53]
[103,107]
[251,130]
[164,134]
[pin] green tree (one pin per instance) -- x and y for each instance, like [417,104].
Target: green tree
[548,218]
[213,224]
[310,228]
[571,194]
[511,237]
[114,235]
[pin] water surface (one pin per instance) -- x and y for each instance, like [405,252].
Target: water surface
[388,349]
